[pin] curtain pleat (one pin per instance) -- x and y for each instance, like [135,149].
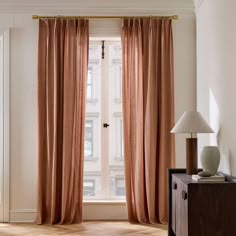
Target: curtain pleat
[148,116]
[62,76]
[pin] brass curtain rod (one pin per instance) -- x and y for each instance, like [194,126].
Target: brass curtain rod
[174,17]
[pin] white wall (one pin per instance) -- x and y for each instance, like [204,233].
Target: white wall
[23,100]
[184,32]
[216,69]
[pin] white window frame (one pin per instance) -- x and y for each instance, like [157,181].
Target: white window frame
[92,138]
[118,80]
[104,100]
[4,127]
[107,169]
[94,117]
[119,144]
[93,63]
[91,71]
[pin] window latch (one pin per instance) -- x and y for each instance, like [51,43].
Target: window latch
[103,51]
[105,125]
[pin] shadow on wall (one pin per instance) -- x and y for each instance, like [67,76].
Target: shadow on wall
[217,137]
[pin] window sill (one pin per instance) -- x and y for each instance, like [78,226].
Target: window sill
[104,202]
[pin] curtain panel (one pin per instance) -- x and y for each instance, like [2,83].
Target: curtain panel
[62,76]
[148,116]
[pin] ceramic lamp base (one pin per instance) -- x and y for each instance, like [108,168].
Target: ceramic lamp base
[191,156]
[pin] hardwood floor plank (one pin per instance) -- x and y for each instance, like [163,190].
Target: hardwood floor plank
[93,228]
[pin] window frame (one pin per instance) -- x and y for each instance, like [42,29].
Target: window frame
[94,117]
[90,139]
[104,100]
[93,64]
[90,71]
[118,79]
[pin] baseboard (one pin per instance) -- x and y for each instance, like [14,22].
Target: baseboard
[91,211]
[22,215]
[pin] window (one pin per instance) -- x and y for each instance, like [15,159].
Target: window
[89,83]
[104,166]
[118,79]
[120,186]
[121,140]
[88,150]
[89,187]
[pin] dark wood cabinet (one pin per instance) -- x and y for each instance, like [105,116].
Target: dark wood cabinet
[180,207]
[201,209]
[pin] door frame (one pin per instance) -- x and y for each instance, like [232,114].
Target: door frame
[4,128]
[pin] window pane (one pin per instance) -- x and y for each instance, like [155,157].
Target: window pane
[116,162]
[121,140]
[89,188]
[89,83]
[120,79]
[92,146]
[104,165]
[88,184]
[120,187]
[88,149]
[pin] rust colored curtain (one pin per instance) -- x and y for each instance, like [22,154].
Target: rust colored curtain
[148,116]
[62,75]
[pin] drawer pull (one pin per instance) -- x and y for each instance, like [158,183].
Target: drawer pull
[174,186]
[184,195]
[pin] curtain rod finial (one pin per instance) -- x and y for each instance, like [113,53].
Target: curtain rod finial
[175,17]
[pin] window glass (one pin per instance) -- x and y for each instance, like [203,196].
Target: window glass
[88,150]
[89,83]
[103,148]
[89,188]
[120,186]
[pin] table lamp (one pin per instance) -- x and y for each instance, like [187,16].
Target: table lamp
[191,122]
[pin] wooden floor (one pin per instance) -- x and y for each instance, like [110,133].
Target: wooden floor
[94,228]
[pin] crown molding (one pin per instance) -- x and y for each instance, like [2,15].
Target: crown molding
[198,4]
[97,11]
[105,7]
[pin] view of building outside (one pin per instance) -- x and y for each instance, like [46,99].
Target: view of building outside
[104,164]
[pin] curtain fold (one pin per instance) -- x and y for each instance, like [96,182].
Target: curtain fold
[148,116]
[62,76]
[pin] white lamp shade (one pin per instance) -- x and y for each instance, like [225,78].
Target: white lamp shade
[192,122]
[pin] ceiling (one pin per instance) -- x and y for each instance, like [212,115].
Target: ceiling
[96,7]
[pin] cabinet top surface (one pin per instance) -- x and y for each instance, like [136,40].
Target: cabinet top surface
[187,179]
